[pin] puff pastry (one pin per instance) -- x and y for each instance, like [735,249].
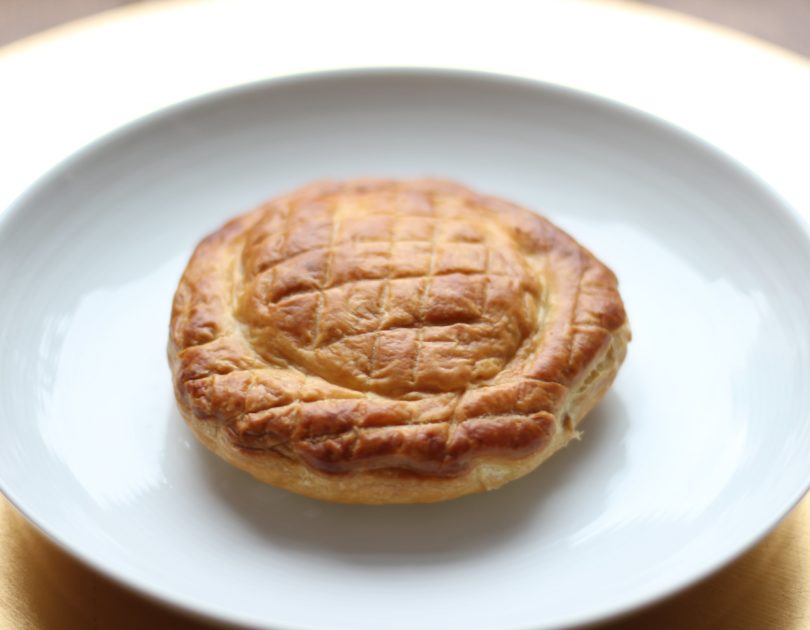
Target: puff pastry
[379,341]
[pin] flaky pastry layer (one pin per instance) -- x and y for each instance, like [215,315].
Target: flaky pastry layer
[381,341]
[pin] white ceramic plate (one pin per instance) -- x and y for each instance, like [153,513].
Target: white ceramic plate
[699,448]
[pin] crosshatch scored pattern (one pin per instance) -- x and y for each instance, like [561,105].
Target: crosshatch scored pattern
[379,324]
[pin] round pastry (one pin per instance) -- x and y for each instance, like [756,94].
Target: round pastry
[382,341]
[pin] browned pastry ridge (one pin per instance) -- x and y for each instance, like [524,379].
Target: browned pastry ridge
[382,341]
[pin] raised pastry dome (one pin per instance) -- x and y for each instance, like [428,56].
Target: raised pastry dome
[386,290]
[383,341]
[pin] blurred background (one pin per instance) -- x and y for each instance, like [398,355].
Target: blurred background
[782,22]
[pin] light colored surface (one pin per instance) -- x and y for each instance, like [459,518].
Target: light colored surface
[65,87]
[697,450]
[784,22]
[749,99]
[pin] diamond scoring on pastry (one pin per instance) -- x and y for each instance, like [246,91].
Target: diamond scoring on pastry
[379,341]
[392,295]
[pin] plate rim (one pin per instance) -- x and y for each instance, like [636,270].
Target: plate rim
[207,611]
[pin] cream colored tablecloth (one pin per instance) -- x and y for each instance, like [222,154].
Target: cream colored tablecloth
[62,88]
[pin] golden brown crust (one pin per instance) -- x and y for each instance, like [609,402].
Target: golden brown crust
[381,341]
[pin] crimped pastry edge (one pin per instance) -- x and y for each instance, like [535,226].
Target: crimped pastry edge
[378,487]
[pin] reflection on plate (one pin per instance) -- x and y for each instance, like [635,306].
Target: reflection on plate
[698,449]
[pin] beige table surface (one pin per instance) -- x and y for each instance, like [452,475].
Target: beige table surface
[64,87]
